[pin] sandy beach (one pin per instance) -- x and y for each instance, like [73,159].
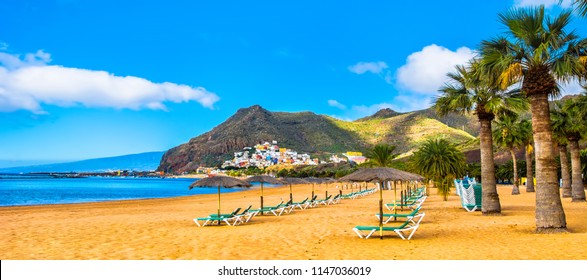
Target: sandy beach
[163,229]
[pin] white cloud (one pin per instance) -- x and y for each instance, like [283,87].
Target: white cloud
[364,67]
[407,103]
[29,83]
[12,62]
[334,103]
[546,3]
[425,71]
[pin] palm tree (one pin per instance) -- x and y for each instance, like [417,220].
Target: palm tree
[538,51]
[559,120]
[583,155]
[582,105]
[381,155]
[440,161]
[508,133]
[469,90]
[528,140]
[573,130]
[580,6]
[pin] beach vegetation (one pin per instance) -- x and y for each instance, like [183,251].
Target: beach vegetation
[538,50]
[504,173]
[528,142]
[439,161]
[508,133]
[381,155]
[471,89]
[568,125]
[580,7]
[559,120]
[473,170]
[583,155]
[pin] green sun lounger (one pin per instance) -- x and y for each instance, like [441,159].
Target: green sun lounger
[312,202]
[412,205]
[407,228]
[276,210]
[245,216]
[330,200]
[322,201]
[229,219]
[235,212]
[414,215]
[301,204]
[471,197]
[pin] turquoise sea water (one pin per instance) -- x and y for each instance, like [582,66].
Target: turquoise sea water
[35,190]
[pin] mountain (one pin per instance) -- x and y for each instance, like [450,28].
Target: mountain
[405,131]
[136,162]
[468,122]
[381,114]
[18,163]
[305,132]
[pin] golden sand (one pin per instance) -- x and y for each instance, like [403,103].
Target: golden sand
[163,229]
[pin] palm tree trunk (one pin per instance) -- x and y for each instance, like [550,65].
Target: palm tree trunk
[529,171]
[565,174]
[550,215]
[490,202]
[516,188]
[577,180]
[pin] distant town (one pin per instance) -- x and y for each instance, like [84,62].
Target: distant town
[268,154]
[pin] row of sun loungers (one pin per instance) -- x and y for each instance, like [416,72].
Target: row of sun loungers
[406,222]
[358,194]
[235,218]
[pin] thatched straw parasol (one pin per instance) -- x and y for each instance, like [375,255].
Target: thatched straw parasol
[314,180]
[219,181]
[293,181]
[381,175]
[263,179]
[327,181]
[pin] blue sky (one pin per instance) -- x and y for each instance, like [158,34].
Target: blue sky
[87,79]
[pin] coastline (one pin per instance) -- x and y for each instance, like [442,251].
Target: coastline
[189,176]
[162,228]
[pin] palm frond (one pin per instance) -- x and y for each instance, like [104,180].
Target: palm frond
[381,155]
[508,132]
[535,41]
[512,74]
[581,7]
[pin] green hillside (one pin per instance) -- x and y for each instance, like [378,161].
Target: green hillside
[306,132]
[405,131]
